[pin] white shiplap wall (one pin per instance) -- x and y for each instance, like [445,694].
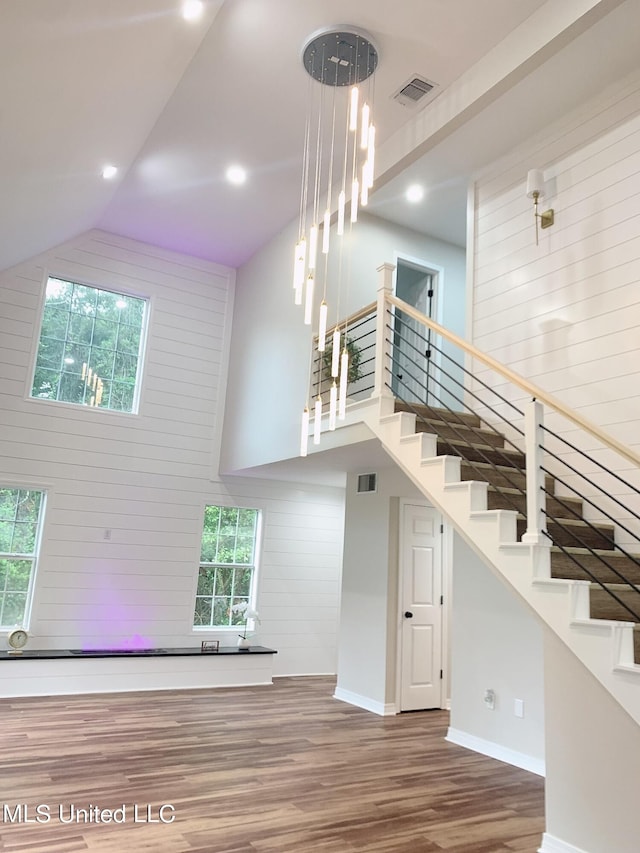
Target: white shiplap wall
[147,477]
[565,314]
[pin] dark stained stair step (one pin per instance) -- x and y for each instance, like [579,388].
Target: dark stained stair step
[604,606]
[435,414]
[500,475]
[562,566]
[459,432]
[501,498]
[481,453]
[575,534]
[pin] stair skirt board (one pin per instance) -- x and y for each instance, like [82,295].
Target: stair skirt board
[551,844]
[495,750]
[383,709]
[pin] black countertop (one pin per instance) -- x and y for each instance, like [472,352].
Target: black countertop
[56,654]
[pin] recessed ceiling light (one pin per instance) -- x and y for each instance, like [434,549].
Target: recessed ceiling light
[192,9]
[236,175]
[109,172]
[415,193]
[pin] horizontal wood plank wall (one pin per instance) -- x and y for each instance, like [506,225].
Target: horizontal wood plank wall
[147,477]
[565,313]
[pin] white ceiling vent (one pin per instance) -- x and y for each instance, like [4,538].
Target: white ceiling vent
[367,483]
[414,91]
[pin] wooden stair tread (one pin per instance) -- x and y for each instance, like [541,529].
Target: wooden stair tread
[482,453]
[563,566]
[603,606]
[435,413]
[455,432]
[506,497]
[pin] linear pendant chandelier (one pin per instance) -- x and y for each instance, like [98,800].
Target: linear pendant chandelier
[337,169]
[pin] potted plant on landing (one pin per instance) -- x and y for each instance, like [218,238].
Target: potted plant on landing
[355,371]
[246,613]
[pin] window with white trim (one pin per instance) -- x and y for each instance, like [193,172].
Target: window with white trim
[227,565]
[90,346]
[21,513]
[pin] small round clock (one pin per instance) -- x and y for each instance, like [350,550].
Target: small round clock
[17,639]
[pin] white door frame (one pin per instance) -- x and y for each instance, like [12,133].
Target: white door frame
[447,554]
[437,274]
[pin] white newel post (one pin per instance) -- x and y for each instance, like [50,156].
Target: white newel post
[383,346]
[536,497]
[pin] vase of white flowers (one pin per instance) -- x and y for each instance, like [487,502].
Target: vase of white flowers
[247,613]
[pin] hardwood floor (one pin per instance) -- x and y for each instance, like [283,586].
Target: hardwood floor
[282,769]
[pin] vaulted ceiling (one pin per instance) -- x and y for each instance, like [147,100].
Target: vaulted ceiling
[172,103]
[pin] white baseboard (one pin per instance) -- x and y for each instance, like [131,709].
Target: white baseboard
[495,750]
[551,844]
[387,709]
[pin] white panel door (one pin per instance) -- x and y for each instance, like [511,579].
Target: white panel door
[421,609]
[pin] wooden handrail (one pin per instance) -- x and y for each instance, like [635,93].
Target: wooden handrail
[534,390]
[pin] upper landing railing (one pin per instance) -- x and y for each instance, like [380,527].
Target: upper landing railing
[565,458]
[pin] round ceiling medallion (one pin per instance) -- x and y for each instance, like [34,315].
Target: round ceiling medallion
[340,57]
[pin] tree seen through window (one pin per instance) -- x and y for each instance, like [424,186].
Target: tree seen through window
[20,518]
[227,565]
[89,346]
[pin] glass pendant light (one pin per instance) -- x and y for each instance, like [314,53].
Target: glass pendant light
[333,405]
[304,432]
[317,420]
[322,327]
[344,373]
[308,300]
[335,354]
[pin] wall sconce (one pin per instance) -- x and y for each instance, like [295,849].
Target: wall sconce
[535,184]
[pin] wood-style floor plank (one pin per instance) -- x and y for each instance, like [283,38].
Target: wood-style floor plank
[282,769]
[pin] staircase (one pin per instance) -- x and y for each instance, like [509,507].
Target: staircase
[478,482]
[508,505]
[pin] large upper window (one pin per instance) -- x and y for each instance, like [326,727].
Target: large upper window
[227,565]
[89,348]
[20,518]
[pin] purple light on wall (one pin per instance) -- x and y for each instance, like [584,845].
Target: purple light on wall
[114,622]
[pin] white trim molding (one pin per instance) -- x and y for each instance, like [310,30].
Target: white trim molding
[383,709]
[551,844]
[501,753]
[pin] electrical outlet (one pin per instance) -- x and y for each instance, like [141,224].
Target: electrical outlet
[518,707]
[490,699]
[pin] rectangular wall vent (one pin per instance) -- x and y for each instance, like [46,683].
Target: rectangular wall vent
[367,483]
[414,91]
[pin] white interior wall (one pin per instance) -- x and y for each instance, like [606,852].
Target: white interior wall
[565,313]
[268,330]
[593,754]
[367,647]
[496,644]
[147,477]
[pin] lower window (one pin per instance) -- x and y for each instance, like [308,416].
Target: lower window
[21,512]
[227,566]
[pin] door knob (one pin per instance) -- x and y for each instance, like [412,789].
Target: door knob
[408,614]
